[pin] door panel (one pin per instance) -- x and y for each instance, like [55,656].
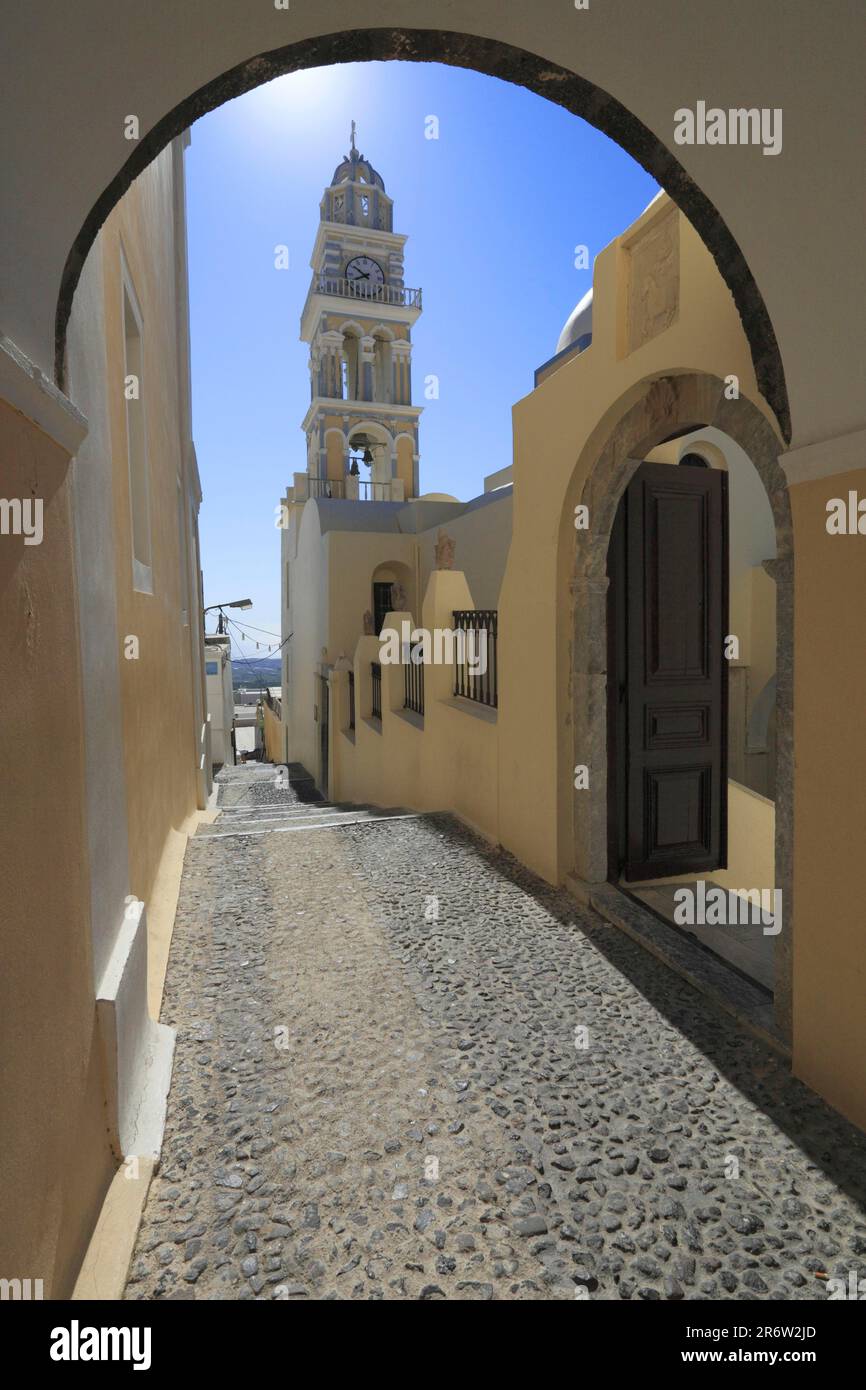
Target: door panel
[672,600]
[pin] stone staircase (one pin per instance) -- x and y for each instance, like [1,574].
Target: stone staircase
[260,798]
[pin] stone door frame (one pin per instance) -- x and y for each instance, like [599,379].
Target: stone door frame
[667,406]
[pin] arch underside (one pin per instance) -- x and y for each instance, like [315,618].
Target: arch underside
[495,59]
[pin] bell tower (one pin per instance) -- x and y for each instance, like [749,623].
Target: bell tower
[361,425]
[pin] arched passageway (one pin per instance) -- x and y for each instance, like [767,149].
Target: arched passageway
[495,59]
[62,177]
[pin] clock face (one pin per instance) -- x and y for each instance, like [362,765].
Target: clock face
[365,274]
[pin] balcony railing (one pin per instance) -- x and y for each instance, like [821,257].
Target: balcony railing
[361,289]
[481,627]
[413,684]
[362,489]
[376,676]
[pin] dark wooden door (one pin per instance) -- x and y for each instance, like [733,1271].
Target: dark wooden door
[668,688]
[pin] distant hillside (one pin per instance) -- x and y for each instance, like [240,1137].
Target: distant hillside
[253,670]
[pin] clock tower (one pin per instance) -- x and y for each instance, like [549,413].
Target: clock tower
[361,426]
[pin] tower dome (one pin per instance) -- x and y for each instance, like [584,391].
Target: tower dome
[577,330]
[356,195]
[356,168]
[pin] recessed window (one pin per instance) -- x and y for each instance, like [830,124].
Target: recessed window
[212,668]
[139,485]
[182,557]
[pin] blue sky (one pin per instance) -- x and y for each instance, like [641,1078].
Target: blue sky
[493,210]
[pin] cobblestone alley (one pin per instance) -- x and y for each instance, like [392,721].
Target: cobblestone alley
[379,1090]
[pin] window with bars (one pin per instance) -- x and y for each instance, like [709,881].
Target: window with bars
[475,665]
[413,683]
[376,676]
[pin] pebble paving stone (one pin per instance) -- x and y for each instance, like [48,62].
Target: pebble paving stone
[378,1093]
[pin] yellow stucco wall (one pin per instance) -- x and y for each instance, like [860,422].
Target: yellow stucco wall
[829,799]
[355,557]
[60,927]
[156,689]
[273,735]
[55,1162]
[336,450]
[406,465]
[751,840]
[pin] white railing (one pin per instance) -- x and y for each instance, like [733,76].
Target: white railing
[361,289]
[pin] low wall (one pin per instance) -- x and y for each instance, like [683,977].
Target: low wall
[751,841]
[274,744]
[445,760]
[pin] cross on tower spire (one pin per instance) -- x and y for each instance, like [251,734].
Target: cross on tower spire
[354,151]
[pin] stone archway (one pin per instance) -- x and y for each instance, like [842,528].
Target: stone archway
[671,405]
[495,59]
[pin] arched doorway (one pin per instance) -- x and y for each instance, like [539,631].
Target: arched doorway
[393,590]
[667,407]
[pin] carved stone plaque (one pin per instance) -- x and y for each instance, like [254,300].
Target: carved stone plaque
[653,279]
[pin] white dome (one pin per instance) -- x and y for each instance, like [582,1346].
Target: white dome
[578,325]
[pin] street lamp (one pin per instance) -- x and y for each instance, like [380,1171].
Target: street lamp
[236,603]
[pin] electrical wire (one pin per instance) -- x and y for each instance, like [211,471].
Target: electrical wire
[249,661]
[266,630]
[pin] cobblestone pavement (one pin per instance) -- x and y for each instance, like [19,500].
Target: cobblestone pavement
[379,1091]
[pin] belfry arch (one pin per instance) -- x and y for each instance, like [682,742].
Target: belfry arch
[494,59]
[658,410]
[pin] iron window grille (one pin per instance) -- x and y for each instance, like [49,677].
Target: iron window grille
[376,674]
[413,683]
[481,627]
